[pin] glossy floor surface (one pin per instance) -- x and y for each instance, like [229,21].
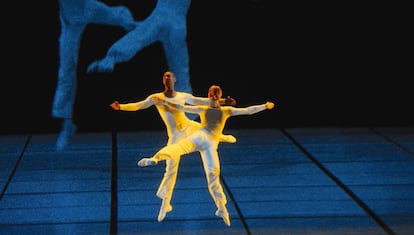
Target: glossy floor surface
[326,180]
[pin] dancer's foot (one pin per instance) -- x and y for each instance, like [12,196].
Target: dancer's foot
[228,138]
[104,65]
[68,129]
[224,215]
[165,208]
[147,162]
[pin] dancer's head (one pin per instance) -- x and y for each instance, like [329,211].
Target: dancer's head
[214,93]
[168,79]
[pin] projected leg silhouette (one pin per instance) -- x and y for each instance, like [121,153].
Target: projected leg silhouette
[75,15]
[166,24]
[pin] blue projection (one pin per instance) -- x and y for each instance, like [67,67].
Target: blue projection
[166,24]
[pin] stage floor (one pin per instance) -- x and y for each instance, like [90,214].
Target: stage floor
[325,180]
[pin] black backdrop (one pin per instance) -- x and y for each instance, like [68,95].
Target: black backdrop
[341,64]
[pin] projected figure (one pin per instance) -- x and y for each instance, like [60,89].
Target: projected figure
[213,118]
[178,127]
[74,16]
[166,24]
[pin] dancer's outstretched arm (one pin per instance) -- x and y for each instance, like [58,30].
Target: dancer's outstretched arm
[135,106]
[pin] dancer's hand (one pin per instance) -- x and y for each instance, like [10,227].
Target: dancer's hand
[230,101]
[270,105]
[115,105]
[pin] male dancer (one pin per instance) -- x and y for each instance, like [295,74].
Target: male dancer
[178,127]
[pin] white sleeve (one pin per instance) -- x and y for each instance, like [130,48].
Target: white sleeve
[186,108]
[194,100]
[248,110]
[143,104]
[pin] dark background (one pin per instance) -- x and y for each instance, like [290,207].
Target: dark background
[323,64]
